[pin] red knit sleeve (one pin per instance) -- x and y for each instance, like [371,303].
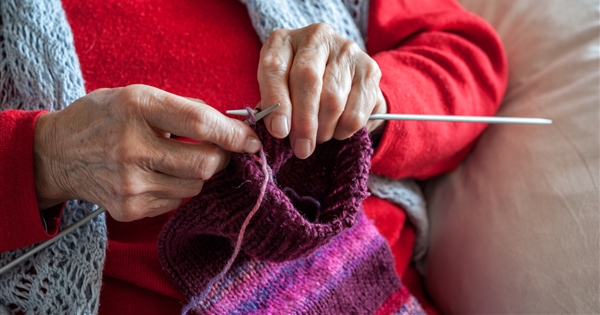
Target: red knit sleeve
[20,220]
[436,58]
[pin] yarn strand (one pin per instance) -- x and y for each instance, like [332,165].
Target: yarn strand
[268,174]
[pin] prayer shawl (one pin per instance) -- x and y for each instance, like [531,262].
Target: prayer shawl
[342,265]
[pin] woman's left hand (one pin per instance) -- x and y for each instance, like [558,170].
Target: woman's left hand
[326,85]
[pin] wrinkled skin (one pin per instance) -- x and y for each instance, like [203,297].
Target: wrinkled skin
[326,85]
[112,147]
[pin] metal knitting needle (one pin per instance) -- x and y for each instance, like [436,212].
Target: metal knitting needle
[49,242]
[472,119]
[446,118]
[260,115]
[90,216]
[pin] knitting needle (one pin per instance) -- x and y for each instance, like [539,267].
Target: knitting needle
[446,118]
[473,119]
[260,115]
[49,242]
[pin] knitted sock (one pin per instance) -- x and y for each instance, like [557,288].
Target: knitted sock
[267,176]
[335,175]
[307,250]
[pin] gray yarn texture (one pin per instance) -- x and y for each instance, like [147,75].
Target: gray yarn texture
[347,17]
[40,70]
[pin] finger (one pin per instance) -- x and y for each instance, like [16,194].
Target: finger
[195,120]
[162,206]
[153,194]
[336,87]
[163,186]
[377,126]
[143,207]
[196,100]
[273,72]
[187,160]
[362,99]
[193,100]
[306,83]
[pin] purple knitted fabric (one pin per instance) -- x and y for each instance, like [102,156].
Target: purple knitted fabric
[307,205]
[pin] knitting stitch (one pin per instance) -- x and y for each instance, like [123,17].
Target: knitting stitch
[267,175]
[335,174]
[290,261]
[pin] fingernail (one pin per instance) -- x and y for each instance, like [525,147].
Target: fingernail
[302,148]
[280,127]
[252,145]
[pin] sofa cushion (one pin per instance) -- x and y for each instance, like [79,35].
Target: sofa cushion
[515,229]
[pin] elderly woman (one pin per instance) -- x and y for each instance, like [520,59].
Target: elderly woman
[330,65]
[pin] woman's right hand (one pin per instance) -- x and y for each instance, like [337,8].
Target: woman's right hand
[112,147]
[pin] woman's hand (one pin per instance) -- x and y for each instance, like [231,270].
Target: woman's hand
[326,85]
[113,148]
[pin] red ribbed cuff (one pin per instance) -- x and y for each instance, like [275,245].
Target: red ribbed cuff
[21,221]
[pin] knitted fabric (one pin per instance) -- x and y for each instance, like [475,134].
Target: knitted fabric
[406,195]
[347,17]
[267,176]
[40,70]
[290,260]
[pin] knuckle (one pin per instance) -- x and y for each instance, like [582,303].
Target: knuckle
[131,93]
[372,70]
[273,63]
[353,122]
[233,139]
[130,101]
[197,121]
[120,153]
[349,50]
[317,36]
[278,35]
[331,104]
[320,29]
[130,186]
[306,73]
[207,165]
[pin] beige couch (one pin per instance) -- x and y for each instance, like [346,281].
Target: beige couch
[515,230]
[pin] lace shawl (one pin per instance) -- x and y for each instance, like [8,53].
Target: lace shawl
[40,70]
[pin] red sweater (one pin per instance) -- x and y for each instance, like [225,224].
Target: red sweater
[435,58]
